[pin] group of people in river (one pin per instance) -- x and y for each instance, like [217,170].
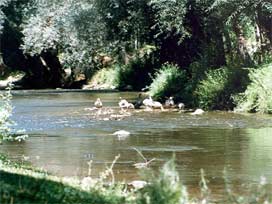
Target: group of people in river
[149,104]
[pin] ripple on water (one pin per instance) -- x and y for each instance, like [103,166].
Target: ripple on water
[167,148]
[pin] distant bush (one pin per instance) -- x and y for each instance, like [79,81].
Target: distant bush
[106,78]
[216,89]
[134,75]
[258,95]
[169,81]
[137,72]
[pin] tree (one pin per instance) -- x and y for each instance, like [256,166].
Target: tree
[2,19]
[244,14]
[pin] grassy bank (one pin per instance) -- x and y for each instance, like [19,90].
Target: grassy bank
[24,184]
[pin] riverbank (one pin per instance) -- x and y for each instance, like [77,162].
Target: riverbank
[13,78]
[218,89]
[22,183]
[25,184]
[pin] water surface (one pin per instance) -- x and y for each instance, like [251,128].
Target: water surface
[64,136]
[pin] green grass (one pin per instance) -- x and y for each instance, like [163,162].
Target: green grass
[24,184]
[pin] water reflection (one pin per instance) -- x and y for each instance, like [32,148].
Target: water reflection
[65,137]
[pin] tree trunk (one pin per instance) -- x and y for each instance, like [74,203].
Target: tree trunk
[227,45]
[264,21]
[259,41]
[2,66]
[221,57]
[242,50]
[51,61]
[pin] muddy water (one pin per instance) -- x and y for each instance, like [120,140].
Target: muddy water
[64,135]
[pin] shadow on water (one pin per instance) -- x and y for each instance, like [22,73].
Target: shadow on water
[64,136]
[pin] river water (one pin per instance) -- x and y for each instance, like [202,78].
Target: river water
[64,135]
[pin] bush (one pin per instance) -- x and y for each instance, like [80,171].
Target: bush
[106,78]
[5,114]
[164,188]
[6,132]
[258,95]
[216,89]
[136,73]
[169,81]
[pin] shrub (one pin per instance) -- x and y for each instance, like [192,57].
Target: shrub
[258,95]
[164,188]
[216,89]
[169,81]
[5,121]
[136,73]
[105,78]
[5,113]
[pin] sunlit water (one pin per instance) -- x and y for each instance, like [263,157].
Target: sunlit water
[64,136]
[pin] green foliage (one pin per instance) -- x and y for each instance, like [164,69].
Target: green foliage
[5,121]
[170,17]
[218,32]
[21,183]
[258,95]
[164,188]
[21,188]
[232,8]
[106,78]
[5,114]
[127,23]
[3,3]
[216,89]
[169,81]
[136,73]
[72,28]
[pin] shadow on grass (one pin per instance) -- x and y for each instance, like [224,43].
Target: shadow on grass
[17,188]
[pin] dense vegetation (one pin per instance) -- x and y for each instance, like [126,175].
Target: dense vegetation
[64,43]
[258,95]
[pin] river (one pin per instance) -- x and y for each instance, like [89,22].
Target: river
[64,135]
